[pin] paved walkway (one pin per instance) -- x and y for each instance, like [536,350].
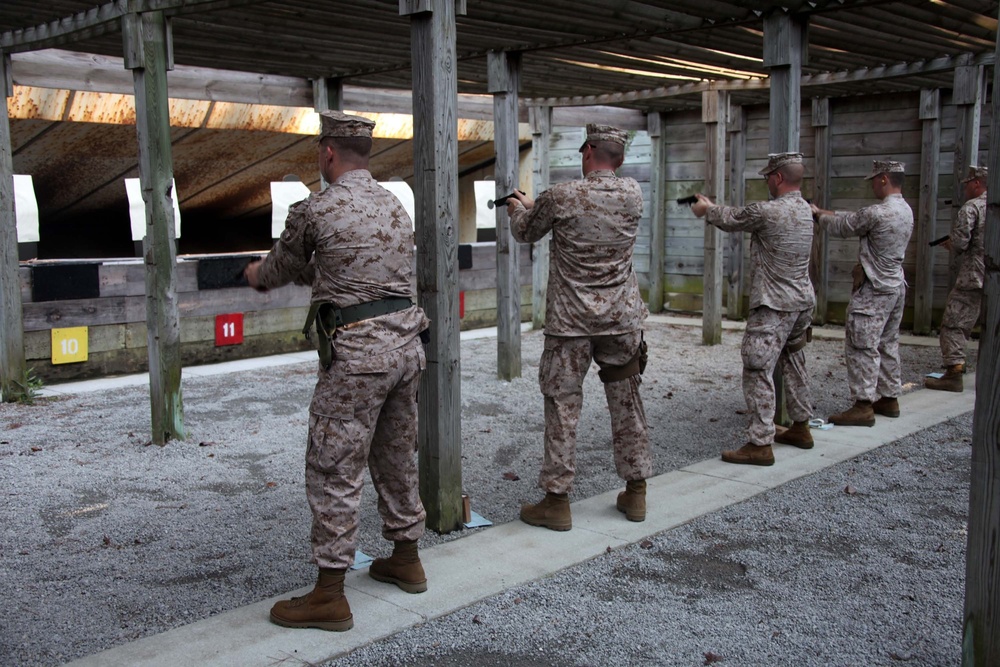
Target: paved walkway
[464,571]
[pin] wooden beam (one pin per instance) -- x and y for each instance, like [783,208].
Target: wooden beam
[102,20]
[981,619]
[783,54]
[146,41]
[784,44]
[541,136]
[820,261]
[656,123]
[930,152]
[861,75]
[328,94]
[714,109]
[503,73]
[13,368]
[435,161]
[737,194]
[967,96]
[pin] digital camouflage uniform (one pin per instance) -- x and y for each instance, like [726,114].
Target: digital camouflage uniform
[364,407]
[871,340]
[962,309]
[593,312]
[781,305]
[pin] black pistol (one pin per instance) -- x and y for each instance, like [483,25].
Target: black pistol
[500,202]
[687,201]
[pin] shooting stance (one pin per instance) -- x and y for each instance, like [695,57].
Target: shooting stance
[964,305]
[352,242]
[871,336]
[593,312]
[781,305]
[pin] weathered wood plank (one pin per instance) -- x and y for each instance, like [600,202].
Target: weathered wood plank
[819,263]
[12,363]
[541,139]
[737,196]
[714,105]
[981,618]
[435,148]
[503,70]
[967,96]
[930,150]
[156,176]
[657,208]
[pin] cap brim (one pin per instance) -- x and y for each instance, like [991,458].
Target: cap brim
[765,171]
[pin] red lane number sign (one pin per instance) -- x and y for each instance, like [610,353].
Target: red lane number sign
[228,329]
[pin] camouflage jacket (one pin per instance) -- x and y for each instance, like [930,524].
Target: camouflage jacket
[353,242]
[781,232]
[967,233]
[592,289]
[885,230]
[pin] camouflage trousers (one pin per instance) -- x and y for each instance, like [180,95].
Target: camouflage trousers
[765,346]
[564,364]
[961,312]
[871,343]
[359,416]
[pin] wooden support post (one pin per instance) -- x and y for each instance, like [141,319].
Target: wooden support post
[737,196]
[435,168]
[784,54]
[714,106]
[541,134]
[930,151]
[13,368]
[981,627]
[146,40]
[503,73]
[328,95]
[655,123]
[820,263]
[967,96]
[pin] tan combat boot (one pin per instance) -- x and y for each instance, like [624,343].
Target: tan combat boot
[750,454]
[861,414]
[950,381]
[325,607]
[797,436]
[887,406]
[402,568]
[552,512]
[632,501]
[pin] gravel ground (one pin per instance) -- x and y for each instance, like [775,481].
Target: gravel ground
[107,538]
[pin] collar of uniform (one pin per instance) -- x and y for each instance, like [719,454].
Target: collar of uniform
[601,173]
[354,175]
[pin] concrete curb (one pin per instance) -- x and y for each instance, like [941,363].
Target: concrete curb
[464,571]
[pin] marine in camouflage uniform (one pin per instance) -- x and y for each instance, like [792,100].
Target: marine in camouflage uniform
[964,305]
[781,305]
[353,243]
[594,312]
[871,337]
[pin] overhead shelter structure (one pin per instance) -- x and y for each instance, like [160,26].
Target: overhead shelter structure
[629,63]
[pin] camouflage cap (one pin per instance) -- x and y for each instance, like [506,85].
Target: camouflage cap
[340,124]
[976,172]
[606,133]
[885,167]
[776,161]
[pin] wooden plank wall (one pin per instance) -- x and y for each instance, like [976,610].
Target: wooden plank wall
[272,321]
[862,129]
